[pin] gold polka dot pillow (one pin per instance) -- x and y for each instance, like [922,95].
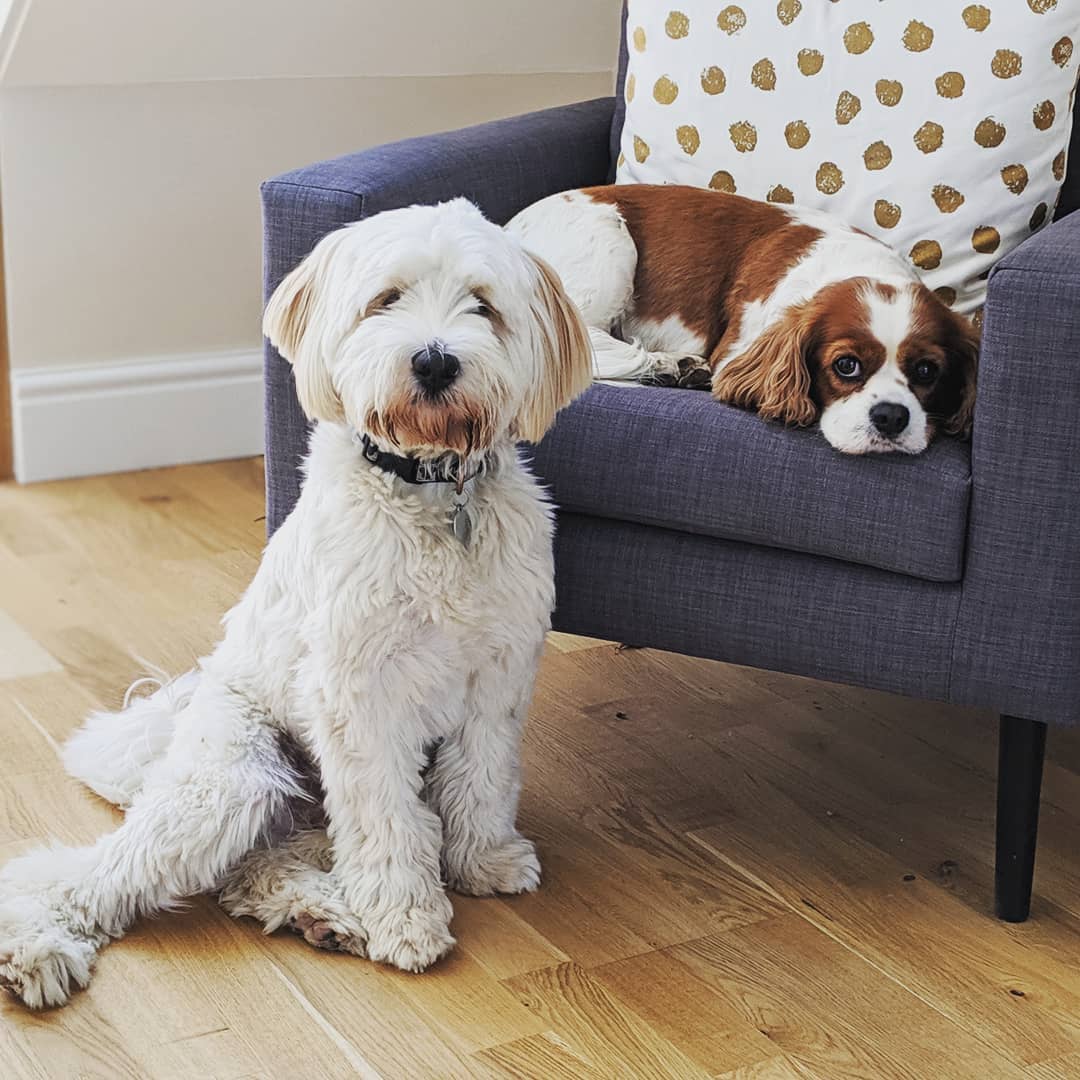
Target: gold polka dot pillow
[940,127]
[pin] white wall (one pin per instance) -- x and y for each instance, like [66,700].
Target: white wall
[134,135]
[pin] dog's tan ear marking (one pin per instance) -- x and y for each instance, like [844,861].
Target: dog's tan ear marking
[772,376]
[566,363]
[287,323]
[963,351]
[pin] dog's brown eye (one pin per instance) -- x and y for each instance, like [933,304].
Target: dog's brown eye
[847,367]
[484,309]
[389,298]
[926,371]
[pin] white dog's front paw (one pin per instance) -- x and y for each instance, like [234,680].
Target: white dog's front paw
[412,938]
[331,930]
[41,961]
[511,867]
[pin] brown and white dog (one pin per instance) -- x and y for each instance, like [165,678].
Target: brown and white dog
[783,310]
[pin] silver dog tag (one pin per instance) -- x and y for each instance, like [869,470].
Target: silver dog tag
[461,519]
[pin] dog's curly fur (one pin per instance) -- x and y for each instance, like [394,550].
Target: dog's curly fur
[368,633]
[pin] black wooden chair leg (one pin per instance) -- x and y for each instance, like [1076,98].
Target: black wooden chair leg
[1021,744]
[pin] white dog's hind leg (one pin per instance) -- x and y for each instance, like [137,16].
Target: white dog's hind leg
[475,785]
[293,885]
[111,752]
[202,807]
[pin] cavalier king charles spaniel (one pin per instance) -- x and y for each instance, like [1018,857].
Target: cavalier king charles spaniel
[785,311]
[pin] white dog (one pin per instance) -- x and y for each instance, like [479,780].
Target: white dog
[403,602]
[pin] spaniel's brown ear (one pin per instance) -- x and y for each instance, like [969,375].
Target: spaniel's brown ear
[565,354]
[772,376]
[962,347]
[287,322]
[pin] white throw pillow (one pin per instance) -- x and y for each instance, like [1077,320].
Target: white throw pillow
[940,127]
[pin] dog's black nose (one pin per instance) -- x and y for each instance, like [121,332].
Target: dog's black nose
[890,419]
[435,369]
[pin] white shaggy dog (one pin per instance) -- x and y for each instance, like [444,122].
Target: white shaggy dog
[385,616]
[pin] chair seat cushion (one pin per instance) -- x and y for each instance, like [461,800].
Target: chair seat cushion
[680,460]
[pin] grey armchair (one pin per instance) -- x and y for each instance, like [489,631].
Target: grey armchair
[690,526]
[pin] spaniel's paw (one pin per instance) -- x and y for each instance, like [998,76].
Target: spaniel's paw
[509,868]
[412,938]
[41,961]
[694,373]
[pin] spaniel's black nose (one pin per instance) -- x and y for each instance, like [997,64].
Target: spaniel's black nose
[890,419]
[435,369]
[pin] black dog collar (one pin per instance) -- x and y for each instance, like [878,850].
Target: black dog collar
[440,470]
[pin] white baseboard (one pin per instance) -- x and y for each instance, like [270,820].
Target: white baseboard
[164,410]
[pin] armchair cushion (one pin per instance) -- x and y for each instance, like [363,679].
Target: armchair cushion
[682,461]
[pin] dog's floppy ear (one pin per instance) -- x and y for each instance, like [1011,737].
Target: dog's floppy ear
[962,347]
[565,354]
[288,323]
[772,375]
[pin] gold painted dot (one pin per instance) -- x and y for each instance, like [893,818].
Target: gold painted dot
[713,80]
[780,194]
[877,156]
[622,160]
[641,149]
[918,37]
[926,254]
[631,86]
[810,61]
[664,91]
[858,37]
[1015,178]
[1058,166]
[946,199]
[723,181]
[976,17]
[847,107]
[763,75]
[889,91]
[929,137]
[950,85]
[797,134]
[677,25]
[1062,51]
[743,136]
[787,11]
[1042,116]
[1038,217]
[829,178]
[639,38]
[1006,63]
[985,239]
[989,132]
[886,214]
[688,138]
[1041,7]
[732,19]
[946,294]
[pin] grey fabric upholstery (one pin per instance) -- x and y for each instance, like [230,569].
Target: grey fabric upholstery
[1017,642]
[682,461]
[754,605]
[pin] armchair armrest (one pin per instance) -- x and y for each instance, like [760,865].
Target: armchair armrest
[502,166]
[1021,592]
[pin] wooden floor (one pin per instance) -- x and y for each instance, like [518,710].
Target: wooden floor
[746,875]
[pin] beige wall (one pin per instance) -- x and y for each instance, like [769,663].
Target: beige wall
[134,135]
